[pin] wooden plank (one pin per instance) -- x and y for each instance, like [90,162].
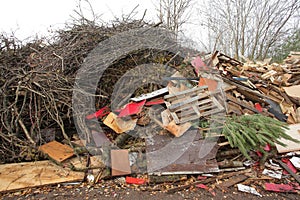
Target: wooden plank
[175,117]
[120,162]
[217,103]
[194,117]
[231,98]
[32,174]
[189,103]
[57,151]
[191,111]
[189,115]
[232,181]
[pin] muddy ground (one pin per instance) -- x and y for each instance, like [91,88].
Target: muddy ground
[109,190]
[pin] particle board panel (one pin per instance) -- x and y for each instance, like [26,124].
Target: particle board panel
[32,174]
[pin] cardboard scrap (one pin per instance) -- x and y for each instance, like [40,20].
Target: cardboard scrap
[119,125]
[57,151]
[31,174]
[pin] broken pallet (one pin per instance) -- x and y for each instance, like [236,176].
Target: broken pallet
[192,104]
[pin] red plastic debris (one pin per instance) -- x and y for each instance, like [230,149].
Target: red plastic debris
[201,177]
[267,147]
[202,186]
[132,109]
[289,164]
[99,114]
[279,187]
[132,180]
[258,107]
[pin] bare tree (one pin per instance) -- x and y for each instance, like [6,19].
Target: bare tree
[249,28]
[173,13]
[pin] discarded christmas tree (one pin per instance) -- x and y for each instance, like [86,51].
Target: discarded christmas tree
[254,132]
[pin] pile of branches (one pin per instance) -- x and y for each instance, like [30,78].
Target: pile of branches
[36,82]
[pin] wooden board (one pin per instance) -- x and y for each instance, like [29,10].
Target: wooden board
[57,151]
[291,146]
[232,181]
[25,175]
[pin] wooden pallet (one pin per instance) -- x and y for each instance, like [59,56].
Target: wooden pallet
[192,104]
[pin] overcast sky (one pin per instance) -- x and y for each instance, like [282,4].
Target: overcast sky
[29,17]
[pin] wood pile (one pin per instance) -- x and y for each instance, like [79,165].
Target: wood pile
[270,89]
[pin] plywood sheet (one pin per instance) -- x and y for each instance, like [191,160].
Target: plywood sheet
[24,175]
[291,146]
[57,151]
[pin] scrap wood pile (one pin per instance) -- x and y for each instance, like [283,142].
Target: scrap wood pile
[210,119]
[227,116]
[274,85]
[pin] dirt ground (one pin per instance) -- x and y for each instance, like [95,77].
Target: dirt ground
[108,190]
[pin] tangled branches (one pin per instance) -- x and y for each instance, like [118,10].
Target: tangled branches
[36,83]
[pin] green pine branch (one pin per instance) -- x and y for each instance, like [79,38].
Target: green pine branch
[253,132]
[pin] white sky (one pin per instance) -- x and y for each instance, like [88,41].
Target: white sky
[29,17]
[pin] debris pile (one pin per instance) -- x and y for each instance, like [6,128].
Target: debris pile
[214,114]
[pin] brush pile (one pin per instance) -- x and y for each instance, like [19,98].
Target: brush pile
[36,82]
